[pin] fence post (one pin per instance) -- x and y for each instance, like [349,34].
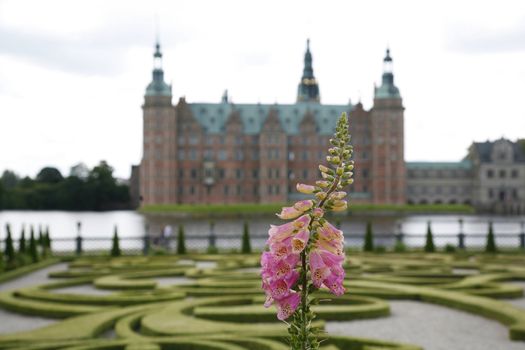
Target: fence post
[211,238]
[461,235]
[79,238]
[522,235]
[146,246]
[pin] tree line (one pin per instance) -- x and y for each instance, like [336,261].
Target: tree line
[84,189]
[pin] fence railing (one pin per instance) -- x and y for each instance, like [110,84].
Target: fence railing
[231,243]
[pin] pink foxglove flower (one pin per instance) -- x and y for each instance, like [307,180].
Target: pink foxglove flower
[307,253]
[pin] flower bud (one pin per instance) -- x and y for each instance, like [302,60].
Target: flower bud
[306,189]
[335,160]
[318,212]
[320,195]
[325,169]
[338,195]
[304,205]
[322,184]
[339,171]
[327,177]
[340,206]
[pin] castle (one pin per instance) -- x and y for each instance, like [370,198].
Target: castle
[219,153]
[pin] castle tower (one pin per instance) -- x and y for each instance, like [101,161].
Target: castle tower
[157,169]
[308,90]
[387,128]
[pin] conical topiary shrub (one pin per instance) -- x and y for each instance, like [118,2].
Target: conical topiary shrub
[429,244]
[115,248]
[491,241]
[246,245]
[33,249]
[369,238]
[181,241]
[9,248]
[22,249]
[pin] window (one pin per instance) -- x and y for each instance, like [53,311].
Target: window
[193,140]
[277,189]
[270,188]
[193,173]
[180,154]
[305,155]
[238,173]
[192,190]
[269,173]
[255,190]
[291,155]
[226,189]
[514,193]
[181,173]
[221,173]
[502,174]
[276,172]
[238,190]
[193,154]
[239,155]
[490,173]
[305,173]
[255,155]
[222,155]
[255,173]
[514,173]
[491,193]
[365,173]
[291,175]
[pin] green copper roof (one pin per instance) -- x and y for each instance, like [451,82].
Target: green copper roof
[213,116]
[464,164]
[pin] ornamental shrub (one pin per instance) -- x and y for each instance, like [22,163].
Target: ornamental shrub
[115,248]
[33,249]
[246,245]
[22,249]
[491,241]
[429,244]
[9,248]
[369,238]
[181,241]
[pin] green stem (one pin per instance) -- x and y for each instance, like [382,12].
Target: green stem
[304,300]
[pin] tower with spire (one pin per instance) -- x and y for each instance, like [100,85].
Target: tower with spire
[308,90]
[156,175]
[387,127]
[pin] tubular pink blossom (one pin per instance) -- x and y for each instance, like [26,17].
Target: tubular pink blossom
[287,306]
[338,195]
[306,189]
[304,205]
[335,284]
[318,213]
[300,240]
[289,213]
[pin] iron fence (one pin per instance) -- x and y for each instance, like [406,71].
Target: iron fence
[232,243]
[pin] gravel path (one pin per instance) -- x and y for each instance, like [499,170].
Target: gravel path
[12,322]
[33,279]
[432,327]
[520,302]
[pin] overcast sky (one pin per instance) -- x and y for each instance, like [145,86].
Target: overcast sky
[73,73]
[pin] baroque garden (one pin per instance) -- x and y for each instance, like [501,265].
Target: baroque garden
[214,301]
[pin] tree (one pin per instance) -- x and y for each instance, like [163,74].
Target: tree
[491,241]
[181,241]
[246,245]
[9,179]
[429,244]
[9,247]
[22,242]
[115,249]
[33,250]
[49,175]
[40,236]
[369,238]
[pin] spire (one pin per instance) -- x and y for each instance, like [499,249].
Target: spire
[387,88]
[308,90]
[158,87]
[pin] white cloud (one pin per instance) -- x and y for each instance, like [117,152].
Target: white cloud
[72,74]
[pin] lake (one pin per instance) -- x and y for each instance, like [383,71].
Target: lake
[132,224]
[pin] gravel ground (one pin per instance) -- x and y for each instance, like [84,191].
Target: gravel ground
[34,278]
[520,302]
[432,327]
[12,322]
